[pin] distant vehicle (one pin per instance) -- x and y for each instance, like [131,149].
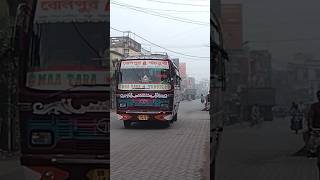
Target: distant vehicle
[190,94]
[148,89]
[63,88]
[264,97]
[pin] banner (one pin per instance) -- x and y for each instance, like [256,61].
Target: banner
[144,86]
[62,80]
[50,11]
[134,64]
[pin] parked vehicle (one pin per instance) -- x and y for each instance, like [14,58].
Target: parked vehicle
[63,88]
[263,97]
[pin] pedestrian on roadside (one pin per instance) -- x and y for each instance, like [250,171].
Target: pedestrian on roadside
[255,115]
[202,99]
[314,127]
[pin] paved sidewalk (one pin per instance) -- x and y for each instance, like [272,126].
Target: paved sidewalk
[264,153]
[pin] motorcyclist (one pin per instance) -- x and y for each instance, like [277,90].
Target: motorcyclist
[313,124]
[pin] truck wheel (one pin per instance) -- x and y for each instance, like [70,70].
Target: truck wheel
[175,117]
[167,123]
[127,124]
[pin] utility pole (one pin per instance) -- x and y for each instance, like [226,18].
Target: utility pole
[9,108]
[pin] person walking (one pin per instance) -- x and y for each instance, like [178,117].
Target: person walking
[255,115]
[296,117]
[313,122]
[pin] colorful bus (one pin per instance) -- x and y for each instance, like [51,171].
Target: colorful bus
[64,87]
[148,89]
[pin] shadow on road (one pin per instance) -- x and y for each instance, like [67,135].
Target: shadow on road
[148,125]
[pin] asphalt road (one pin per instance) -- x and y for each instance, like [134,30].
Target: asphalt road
[149,152]
[263,153]
[154,152]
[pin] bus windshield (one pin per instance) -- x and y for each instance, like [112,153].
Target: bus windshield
[67,54]
[144,74]
[68,44]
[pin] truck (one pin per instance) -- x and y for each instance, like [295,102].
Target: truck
[264,97]
[190,91]
[64,87]
[148,89]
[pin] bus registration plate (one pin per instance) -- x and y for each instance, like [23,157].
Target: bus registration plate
[143,117]
[98,174]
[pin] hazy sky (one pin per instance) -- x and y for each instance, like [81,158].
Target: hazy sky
[187,38]
[288,26]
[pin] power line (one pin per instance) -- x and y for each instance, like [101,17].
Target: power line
[183,46]
[183,4]
[160,14]
[166,10]
[285,40]
[175,52]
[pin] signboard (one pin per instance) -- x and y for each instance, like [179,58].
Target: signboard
[144,95]
[232,25]
[182,70]
[50,11]
[134,64]
[62,80]
[144,86]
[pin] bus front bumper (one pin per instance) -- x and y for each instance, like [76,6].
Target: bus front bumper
[145,116]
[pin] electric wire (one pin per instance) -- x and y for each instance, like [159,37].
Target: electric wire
[160,14]
[173,3]
[169,50]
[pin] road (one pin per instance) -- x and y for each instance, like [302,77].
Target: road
[149,153]
[10,169]
[264,153]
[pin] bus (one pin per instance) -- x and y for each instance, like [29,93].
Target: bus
[61,49]
[147,89]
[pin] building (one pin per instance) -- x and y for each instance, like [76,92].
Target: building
[125,46]
[260,69]
[183,70]
[280,81]
[237,69]
[304,79]
[203,87]
[231,18]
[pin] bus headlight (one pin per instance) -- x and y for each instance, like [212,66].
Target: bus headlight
[122,105]
[164,105]
[41,138]
[168,117]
